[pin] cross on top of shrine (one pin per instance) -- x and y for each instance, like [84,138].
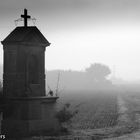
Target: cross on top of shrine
[26,17]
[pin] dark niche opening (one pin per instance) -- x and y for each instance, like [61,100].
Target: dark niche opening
[33,70]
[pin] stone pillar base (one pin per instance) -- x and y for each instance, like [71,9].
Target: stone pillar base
[14,128]
[31,117]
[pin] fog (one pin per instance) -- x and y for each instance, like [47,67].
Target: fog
[82,32]
[97,78]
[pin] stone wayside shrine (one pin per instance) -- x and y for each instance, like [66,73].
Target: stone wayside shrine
[29,110]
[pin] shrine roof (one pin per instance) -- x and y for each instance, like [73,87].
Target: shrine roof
[30,34]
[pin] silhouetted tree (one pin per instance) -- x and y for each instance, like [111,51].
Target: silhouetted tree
[99,72]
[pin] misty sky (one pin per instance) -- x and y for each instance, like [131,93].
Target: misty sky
[82,32]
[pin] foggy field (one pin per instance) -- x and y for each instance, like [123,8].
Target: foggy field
[109,114]
[97,112]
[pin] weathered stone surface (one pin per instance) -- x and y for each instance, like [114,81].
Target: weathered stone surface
[28,110]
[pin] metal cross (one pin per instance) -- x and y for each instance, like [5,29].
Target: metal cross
[26,17]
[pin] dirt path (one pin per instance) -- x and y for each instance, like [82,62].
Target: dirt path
[124,119]
[122,110]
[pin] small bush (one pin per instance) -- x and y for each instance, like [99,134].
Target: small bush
[64,116]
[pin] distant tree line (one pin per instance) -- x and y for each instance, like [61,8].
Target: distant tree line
[94,77]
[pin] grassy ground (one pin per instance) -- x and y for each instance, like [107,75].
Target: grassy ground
[105,114]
